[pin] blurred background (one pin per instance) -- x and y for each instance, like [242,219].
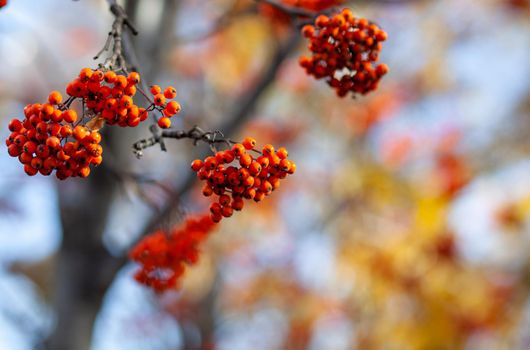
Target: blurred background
[406,225]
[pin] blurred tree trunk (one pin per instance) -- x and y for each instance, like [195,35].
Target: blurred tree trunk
[84,268]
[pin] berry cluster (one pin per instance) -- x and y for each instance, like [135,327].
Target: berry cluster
[109,95]
[169,108]
[41,143]
[163,255]
[344,48]
[248,177]
[52,137]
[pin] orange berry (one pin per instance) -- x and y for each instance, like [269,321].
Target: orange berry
[15,125]
[53,142]
[126,101]
[57,116]
[227,212]
[266,187]
[254,168]
[134,78]
[84,171]
[322,21]
[215,208]
[29,147]
[381,69]
[228,156]
[155,89]
[207,190]
[285,164]
[94,149]
[30,170]
[85,74]
[80,132]
[116,92]
[164,122]
[238,149]
[263,161]
[249,143]
[173,107]
[36,163]
[41,128]
[249,181]
[54,129]
[196,165]
[47,110]
[20,140]
[97,76]
[292,169]
[25,158]
[96,160]
[121,82]
[282,153]
[55,98]
[243,173]
[268,149]
[216,217]
[122,111]
[49,163]
[224,200]
[159,99]
[250,193]
[14,150]
[258,197]
[66,130]
[238,203]
[274,160]
[381,35]
[69,116]
[132,122]
[61,155]
[130,90]
[203,174]
[170,92]
[245,160]
[210,163]
[275,182]
[308,31]
[134,112]
[110,77]
[111,104]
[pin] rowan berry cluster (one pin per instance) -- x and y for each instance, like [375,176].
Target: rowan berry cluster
[163,255]
[234,175]
[344,49]
[167,108]
[40,141]
[53,137]
[108,95]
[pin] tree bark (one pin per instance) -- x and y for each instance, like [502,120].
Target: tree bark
[84,268]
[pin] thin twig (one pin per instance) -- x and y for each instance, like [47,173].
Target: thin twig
[115,39]
[196,134]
